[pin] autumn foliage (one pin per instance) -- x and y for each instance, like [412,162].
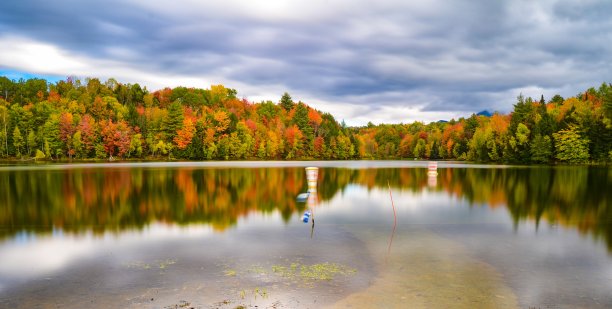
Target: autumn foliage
[88,118]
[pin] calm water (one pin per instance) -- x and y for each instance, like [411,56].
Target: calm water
[166,235]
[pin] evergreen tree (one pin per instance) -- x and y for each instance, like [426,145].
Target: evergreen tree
[174,121]
[556,99]
[541,149]
[51,134]
[606,93]
[286,102]
[300,118]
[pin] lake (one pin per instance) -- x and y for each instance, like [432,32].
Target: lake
[231,234]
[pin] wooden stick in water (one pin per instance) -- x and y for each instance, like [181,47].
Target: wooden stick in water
[392,205]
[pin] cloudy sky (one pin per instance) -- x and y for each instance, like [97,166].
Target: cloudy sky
[381,61]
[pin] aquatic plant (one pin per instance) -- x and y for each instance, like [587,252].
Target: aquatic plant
[161,264]
[320,271]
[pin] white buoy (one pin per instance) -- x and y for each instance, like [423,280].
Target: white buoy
[312,174]
[432,168]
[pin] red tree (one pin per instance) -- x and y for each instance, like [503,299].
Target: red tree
[89,136]
[116,137]
[66,127]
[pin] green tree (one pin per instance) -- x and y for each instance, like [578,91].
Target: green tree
[3,147]
[606,93]
[51,134]
[570,147]
[541,149]
[39,155]
[31,141]
[47,148]
[100,151]
[174,121]
[344,148]
[267,111]
[135,146]
[247,142]
[523,119]
[556,99]
[77,144]
[18,141]
[522,135]
[544,124]
[519,144]
[286,102]
[4,121]
[235,147]
[300,118]
[482,147]
[419,149]
[31,90]
[211,151]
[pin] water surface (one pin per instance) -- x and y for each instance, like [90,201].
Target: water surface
[229,234]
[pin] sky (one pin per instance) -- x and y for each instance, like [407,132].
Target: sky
[384,61]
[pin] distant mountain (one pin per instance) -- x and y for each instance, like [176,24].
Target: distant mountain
[485,113]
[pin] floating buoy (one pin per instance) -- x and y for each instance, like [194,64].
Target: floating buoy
[306,216]
[312,173]
[302,197]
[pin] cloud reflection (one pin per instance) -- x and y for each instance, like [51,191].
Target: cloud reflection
[30,256]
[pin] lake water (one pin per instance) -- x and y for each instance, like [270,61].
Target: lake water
[225,235]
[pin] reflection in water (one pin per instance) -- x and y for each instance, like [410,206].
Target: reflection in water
[312,176]
[149,236]
[113,199]
[394,220]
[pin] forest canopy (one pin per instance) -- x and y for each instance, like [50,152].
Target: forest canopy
[91,119]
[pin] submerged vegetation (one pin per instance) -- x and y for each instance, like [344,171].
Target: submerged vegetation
[297,272]
[321,271]
[256,281]
[87,119]
[158,264]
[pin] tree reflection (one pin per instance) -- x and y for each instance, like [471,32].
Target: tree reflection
[98,200]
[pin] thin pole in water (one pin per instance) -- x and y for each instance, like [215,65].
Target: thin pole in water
[312,228]
[392,205]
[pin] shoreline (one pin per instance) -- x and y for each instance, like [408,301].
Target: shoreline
[32,161]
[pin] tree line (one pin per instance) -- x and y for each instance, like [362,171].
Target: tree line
[90,119]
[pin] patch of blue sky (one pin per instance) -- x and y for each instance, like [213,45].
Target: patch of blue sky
[16,75]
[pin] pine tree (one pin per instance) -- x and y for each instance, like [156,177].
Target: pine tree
[174,121]
[541,149]
[286,102]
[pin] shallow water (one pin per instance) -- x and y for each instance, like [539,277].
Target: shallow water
[221,234]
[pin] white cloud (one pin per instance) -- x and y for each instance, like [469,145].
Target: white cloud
[39,57]
[345,57]
[43,58]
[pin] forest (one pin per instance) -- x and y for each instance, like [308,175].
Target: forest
[82,119]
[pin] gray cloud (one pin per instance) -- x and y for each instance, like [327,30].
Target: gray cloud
[456,56]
